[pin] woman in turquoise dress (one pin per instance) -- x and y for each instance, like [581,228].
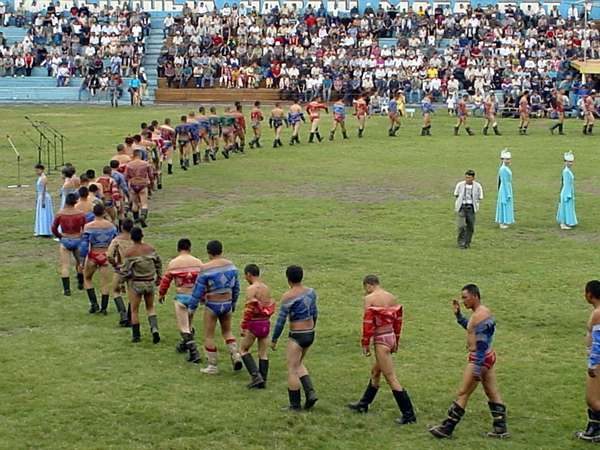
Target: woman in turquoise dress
[44,213]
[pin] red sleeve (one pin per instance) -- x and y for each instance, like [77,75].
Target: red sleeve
[126,172]
[398,324]
[55,225]
[165,282]
[247,314]
[368,328]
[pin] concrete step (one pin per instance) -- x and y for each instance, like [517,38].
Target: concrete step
[40,82]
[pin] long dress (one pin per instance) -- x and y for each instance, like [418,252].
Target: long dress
[566,203]
[44,213]
[504,205]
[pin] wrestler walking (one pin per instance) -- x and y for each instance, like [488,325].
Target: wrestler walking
[116,256]
[480,368]
[218,287]
[142,271]
[276,122]
[382,323]
[299,304]
[592,391]
[184,270]
[256,326]
[95,240]
[67,227]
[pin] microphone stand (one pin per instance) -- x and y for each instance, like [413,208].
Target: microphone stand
[57,135]
[39,149]
[42,138]
[18,185]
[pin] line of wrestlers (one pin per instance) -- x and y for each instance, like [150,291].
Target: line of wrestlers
[215,284]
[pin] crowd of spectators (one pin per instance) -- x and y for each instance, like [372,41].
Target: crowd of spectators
[330,54]
[96,44]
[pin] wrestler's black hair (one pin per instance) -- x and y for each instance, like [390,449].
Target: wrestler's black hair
[114,164]
[91,173]
[107,170]
[201,109]
[143,125]
[294,274]
[470,173]
[127,225]
[257,103]
[167,121]
[154,123]
[136,234]
[68,171]
[99,210]
[593,288]
[39,166]
[252,269]
[83,178]
[129,140]
[137,138]
[183,118]
[120,147]
[83,192]
[93,188]
[371,279]
[71,199]
[472,289]
[138,152]
[213,109]
[214,248]
[184,245]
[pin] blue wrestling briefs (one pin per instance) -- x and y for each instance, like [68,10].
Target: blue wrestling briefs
[184,299]
[70,244]
[220,308]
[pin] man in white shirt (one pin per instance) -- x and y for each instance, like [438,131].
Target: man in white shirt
[468,194]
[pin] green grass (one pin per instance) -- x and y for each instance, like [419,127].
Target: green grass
[342,210]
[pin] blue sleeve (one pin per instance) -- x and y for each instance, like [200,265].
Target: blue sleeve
[483,336]
[84,247]
[283,313]
[313,310]
[462,320]
[198,292]
[594,356]
[235,290]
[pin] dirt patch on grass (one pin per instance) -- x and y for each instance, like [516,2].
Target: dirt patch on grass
[360,193]
[20,199]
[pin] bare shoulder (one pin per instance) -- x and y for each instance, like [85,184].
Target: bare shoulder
[595,317]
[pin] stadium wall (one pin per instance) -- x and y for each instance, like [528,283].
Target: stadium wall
[343,5]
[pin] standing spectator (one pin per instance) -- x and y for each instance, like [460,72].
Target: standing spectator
[468,194]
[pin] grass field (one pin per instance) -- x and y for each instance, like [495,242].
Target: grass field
[341,210]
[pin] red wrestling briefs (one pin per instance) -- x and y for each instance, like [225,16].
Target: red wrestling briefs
[339,118]
[137,188]
[488,362]
[98,257]
[386,338]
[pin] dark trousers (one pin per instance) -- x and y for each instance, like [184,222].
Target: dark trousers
[466,225]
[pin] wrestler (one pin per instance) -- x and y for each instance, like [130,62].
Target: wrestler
[184,138]
[299,303]
[86,202]
[393,115]
[129,146]
[203,130]
[138,174]
[361,111]
[142,271]
[401,101]
[314,114]
[276,122]
[95,240]
[256,325]
[256,117]
[194,129]
[167,133]
[480,367]
[239,128]
[119,178]
[294,117]
[382,323]
[339,119]
[524,113]
[558,105]
[489,113]
[184,269]
[213,132]
[111,195]
[116,257]
[218,287]
[592,394]
[67,227]
[227,121]
[122,157]
[427,108]
[463,115]
[589,108]
[70,183]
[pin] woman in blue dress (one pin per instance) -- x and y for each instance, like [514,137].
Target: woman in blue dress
[566,216]
[44,213]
